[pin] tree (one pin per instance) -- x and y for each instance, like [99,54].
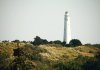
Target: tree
[45,41]
[5,41]
[16,41]
[64,43]
[75,42]
[37,40]
[57,42]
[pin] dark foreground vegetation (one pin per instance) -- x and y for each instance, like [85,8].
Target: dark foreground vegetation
[54,55]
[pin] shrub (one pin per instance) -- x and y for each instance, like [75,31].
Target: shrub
[16,41]
[38,41]
[75,42]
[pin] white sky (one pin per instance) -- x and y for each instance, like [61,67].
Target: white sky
[25,19]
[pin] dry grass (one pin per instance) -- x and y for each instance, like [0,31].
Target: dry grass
[90,51]
[62,53]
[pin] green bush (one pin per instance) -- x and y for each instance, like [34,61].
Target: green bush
[93,64]
[75,42]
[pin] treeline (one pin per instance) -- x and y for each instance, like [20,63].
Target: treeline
[39,41]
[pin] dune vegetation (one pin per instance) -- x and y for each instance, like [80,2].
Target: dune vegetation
[48,57]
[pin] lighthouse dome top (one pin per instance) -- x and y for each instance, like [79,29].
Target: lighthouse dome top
[66,12]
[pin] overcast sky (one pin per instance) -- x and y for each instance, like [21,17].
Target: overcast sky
[25,19]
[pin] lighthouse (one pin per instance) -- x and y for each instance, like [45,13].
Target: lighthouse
[67,29]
